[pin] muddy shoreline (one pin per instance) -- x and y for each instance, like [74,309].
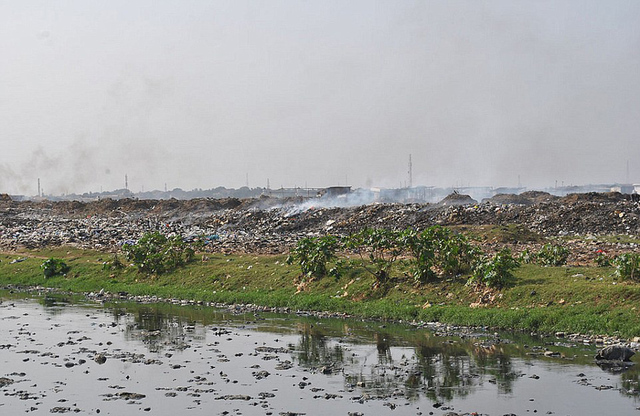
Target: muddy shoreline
[438,328]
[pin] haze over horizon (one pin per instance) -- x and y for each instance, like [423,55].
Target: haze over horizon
[201,94]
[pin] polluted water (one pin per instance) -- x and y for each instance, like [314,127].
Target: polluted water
[62,354]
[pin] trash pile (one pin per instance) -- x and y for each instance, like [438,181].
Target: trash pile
[271,225]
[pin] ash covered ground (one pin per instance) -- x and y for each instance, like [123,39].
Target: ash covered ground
[272,226]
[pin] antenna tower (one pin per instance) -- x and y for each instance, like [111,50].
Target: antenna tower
[410,172]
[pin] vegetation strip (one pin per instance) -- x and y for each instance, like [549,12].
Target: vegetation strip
[587,300]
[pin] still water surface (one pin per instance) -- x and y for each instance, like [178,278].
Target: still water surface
[165,359]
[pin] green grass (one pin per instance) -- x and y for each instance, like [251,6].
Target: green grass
[544,299]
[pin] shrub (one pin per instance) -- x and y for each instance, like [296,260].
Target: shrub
[378,249]
[53,267]
[553,255]
[313,254]
[602,260]
[627,266]
[454,254]
[495,272]
[114,264]
[155,253]
[527,257]
[422,248]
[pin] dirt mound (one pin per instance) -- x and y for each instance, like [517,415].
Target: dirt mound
[457,199]
[594,197]
[538,197]
[5,197]
[508,199]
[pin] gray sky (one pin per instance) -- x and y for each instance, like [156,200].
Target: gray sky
[200,94]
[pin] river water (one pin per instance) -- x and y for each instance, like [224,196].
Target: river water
[63,355]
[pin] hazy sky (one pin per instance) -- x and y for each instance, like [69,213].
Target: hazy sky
[200,94]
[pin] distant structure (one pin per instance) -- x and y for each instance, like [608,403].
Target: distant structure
[625,188]
[335,191]
[410,172]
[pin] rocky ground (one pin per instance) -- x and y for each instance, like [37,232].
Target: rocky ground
[270,225]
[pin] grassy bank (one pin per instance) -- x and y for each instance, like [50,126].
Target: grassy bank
[544,299]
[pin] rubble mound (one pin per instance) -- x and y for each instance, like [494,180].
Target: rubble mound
[5,197]
[508,199]
[538,197]
[594,197]
[274,225]
[455,199]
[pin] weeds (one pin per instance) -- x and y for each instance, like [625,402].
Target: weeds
[552,255]
[313,254]
[53,267]
[495,272]
[155,253]
[627,266]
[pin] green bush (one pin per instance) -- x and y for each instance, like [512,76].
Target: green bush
[313,254]
[602,260]
[527,257]
[454,254]
[422,249]
[155,253]
[495,272]
[553,255]
[627,266]
[378,249]
[53,267]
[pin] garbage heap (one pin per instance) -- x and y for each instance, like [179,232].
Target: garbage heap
[271,226]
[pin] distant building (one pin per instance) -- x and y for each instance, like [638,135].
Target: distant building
[624,188]
[335,191]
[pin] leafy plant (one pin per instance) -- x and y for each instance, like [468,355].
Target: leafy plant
[602,260]
[627,266]
[53,267]
[527,257]
[422,248]
[378,249]
[156,253]
[553,255]
[495,272]
[454,253]
[313,254]
[114,264]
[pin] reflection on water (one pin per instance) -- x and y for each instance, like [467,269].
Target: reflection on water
[395,364]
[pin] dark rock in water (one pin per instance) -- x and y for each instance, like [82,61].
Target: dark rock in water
[614,366]
[615,352]
[234,397]
[4,381]
[100,359]
[131,396]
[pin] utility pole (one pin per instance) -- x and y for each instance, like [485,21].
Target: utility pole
[126,182]
[39,194]
[410,172]
[628,171]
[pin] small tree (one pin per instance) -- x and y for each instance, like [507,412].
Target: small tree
[627,266]
[313,254]
[553,255]
[156,253]
[495,272]
[378,249]
[53,267]
[423,250]
[454,253]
